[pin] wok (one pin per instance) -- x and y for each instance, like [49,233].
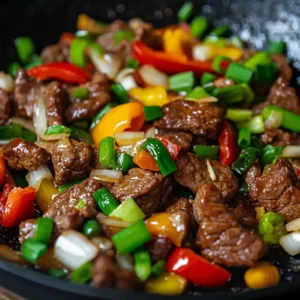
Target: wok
[257,21]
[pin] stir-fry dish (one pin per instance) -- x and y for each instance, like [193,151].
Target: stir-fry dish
[149,159]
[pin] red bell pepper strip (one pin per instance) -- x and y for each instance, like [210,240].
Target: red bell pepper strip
[186,263]
[228,144]
[167,62]
[3,198]
[66,38]
[171,147]
[2,170]
[19,206]
[66,72]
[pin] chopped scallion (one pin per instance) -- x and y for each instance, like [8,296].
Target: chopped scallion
[101,114]
[198,27]
[122,35]
[142,264]
[57,129]
[119,94]
[124,162]
[91,228]
[277,47]
[239,73]
[239,115]
[81,93]
[255,125]
[82,274]
[132,63]
[207,78]
[219,31]
[43,231]
[152,113]
[77,51]
[25,48]
[185,11]
[229,94]
[32,250]
[266,73]
[182,81]
[158,268]
[107,154]
[244,138]
[207,152]
[106,201]
[221,63]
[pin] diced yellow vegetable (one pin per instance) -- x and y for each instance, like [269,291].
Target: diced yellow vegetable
[260,211]
[46,193]
[150,96]
[262,275]
[84,22]
[233,53]
[166,284]
[174,39]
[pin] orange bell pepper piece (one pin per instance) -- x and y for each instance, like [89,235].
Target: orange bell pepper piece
[3,198]
[66,38]
[172,148]
[145,160]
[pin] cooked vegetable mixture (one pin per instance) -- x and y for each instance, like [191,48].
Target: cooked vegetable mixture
[155,159]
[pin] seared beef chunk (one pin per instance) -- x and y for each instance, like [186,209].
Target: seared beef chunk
[73,160]
[27,229]
[183,139]
[62,209]
[147,34]
[25,93]
[221,239]
[98,97]
[252,173]
[149,189]
[283,65]
[159,248]
[55,53]
[192,173]
[110,226]
[279,137]
[106,273]
[296,165]
[5,107]
[23,155]
[198,118]
[56,101]
[277,190]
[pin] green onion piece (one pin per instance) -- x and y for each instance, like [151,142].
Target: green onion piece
[132,63]
[81,93]
[182,81]
[219,31]
[198,93]
[77,51]
[124,162]
[80,135]
[43,231]
[13,68]
[220,63]
[84,34]
[119,94]
[239,73]
[277,47]
[57,129]
[131,238]
[35,61]
[158,268]
[32,250]
[152,113]
[142,265]
[28,135]
[106,201]
[57,272]
[80,205]
[128,211]
[215,41]
[81,124]
[207,78]
[244,138]
[82,274]
[16,130]
[255,125]
[257,143]
[198,27]
[5,132]
[107,154]
[91,228]
[236,41]
[245,160]
[238,115]
[229,94]
[96,48]
[101,114]
[185,11]
[259,58]
[248,94]
[161,156]
[270,154]
[63,187]
[267,73]
[122,35]
[25,48]
[207,152]
[20,179]
[243,188]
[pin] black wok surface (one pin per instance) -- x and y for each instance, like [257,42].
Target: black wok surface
[257,21]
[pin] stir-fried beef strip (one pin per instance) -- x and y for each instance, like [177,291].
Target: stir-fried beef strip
[55,53]
[5,107]
[279,137]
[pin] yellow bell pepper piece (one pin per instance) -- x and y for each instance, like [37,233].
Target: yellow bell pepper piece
[45,194]
[173,40]
[166,284]
[260,211]
[262,275]
[150,96]
[129,116]
[233,53]
[84,22]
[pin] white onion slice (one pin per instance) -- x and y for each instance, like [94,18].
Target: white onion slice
[6,82]
[203,52]
[24,123]
[293,225]
[126,78]
[102,243]
[129,137]
[274,120]
[291,151]
[106,175]
[153,77]
[204,100]
[125,261]
[114,222]
[131,149]
[211,171]
[291,243]
[73,249]
[109,64]
[150,133]
[4,142]
[35,177]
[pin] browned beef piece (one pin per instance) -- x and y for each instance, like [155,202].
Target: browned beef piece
[25,93]
[199,118]
[296,165]
[55,53]
[283,65]
[105,273]
[56,101]
[192,173]
[183,139]
[62,209]
[5,107]
[23,155]
[27,229]
[279,137]
[110,226]
[282,95]
[159,248]
[277,189]
[221,239]
[252,173]
[223,82]
[72,162]
[147,34]
[98,97]
[149,189]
